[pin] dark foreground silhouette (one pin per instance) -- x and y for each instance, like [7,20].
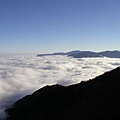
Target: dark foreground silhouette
[97,99]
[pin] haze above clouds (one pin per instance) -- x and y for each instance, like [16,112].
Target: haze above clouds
[22,75]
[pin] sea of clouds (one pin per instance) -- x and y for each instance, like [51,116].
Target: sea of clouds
[23,74]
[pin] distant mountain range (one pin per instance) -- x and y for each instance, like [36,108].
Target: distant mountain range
[97,99]
[81,54]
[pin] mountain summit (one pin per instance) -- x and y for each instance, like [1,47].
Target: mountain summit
[96,99]
[81,54]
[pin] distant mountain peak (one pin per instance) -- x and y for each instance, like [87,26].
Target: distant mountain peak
[81,54]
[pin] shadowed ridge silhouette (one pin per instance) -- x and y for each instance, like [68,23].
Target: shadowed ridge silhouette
[96,99]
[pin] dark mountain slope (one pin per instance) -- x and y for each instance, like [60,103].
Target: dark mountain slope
[97,99]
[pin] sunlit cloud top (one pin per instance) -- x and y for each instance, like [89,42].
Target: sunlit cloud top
[22,75]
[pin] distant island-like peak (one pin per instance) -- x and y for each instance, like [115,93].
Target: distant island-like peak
[81,54]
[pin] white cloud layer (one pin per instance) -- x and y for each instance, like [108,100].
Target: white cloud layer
[22,75]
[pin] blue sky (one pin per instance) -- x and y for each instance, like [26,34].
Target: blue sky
[45,26]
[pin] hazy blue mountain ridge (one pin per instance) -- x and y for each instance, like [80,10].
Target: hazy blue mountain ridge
[81,54]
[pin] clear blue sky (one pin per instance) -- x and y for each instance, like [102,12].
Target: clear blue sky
[44,26]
